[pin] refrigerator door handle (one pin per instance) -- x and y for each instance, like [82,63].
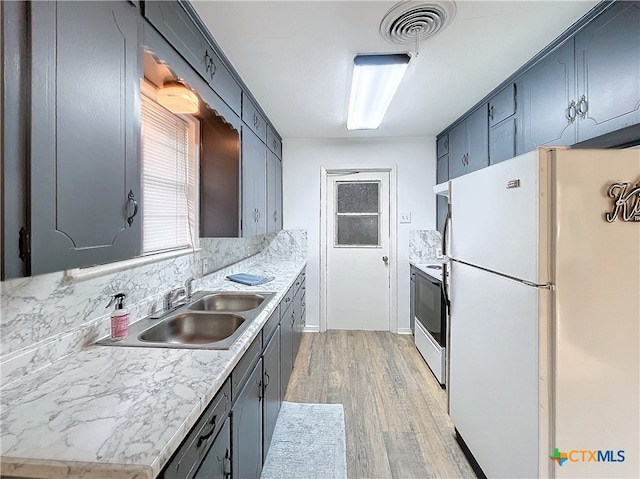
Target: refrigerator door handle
[445,227]
[445,287]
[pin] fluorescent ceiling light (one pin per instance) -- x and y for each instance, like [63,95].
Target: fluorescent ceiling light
[375,80]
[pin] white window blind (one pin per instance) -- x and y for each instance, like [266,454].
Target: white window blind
[169,179]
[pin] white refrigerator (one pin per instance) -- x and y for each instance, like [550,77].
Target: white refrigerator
[545,314]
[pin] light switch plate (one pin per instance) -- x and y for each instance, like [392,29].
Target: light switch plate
[405,217]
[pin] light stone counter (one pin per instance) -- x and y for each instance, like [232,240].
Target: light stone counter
[111,412]
[424,267]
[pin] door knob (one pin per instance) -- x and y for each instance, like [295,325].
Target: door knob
[385,259]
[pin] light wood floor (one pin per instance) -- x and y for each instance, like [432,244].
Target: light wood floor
[395,411]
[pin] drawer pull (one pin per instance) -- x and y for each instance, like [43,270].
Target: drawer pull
[206,436]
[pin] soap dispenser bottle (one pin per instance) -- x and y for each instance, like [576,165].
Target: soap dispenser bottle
[119,317]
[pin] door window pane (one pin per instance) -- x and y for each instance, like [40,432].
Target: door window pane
[358,230]
[358,198]
[357,217]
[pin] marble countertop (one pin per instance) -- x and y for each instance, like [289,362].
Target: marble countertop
[434,273]
[111,412]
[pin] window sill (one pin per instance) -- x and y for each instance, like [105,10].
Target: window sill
[81,274]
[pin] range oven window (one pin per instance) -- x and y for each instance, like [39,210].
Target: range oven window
[429,308]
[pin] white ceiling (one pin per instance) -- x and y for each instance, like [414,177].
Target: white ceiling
[296,58]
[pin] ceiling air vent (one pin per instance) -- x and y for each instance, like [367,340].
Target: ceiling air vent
[412,22]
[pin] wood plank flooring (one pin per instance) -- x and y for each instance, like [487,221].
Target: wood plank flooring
[395,411]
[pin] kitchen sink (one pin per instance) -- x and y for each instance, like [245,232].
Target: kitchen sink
[233,301]
[210,320]
[194,328]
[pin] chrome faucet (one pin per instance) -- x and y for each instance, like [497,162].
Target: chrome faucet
[171,296]
[188,287]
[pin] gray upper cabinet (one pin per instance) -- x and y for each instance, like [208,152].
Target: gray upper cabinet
[502,105]
[548,100]
[608,72]
[254,184]
[443,145]
[274,193]
[502,141]
[468,144]
[176,25]
[583,90]
[252,117]
[442,175]
[274,143]
[85,203]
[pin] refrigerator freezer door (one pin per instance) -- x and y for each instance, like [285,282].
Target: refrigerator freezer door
[494,370]
[496,215]
[598,315]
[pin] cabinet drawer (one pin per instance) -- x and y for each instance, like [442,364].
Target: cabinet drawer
[244,367]
[297,284]
[503,105]
[271,325]
[443,145]
[253,118]
[187,459]
[286,302]
[273,142]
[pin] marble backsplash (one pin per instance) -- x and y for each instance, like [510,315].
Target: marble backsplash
[46,317]
[424,245]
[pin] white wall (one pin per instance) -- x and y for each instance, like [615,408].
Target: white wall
[415,163]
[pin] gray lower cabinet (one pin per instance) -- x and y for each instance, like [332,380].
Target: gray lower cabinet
[254,184]
[299,318]
[286,345]
[246,428]
[217,462]
[272,398]
[195,450]
[85,199]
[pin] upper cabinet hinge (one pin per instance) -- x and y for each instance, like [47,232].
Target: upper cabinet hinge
[24,244]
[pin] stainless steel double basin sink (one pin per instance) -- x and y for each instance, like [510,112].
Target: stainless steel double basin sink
[210,320]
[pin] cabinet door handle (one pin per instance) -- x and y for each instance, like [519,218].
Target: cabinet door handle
[226,464]
[214,68]
[206,436]
[266,380]
[571,112]
[491,112]
[131,201]
[583,107]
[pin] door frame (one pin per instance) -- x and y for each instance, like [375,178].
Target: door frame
[326,195]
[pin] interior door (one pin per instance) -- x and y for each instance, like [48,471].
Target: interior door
[358,251]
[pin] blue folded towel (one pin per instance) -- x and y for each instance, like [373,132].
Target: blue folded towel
[248,279]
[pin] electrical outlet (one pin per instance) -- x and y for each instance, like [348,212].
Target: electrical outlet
[206,266]
[405,217]
[439,254]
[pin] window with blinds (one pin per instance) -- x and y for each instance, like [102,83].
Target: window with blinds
[169,178]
